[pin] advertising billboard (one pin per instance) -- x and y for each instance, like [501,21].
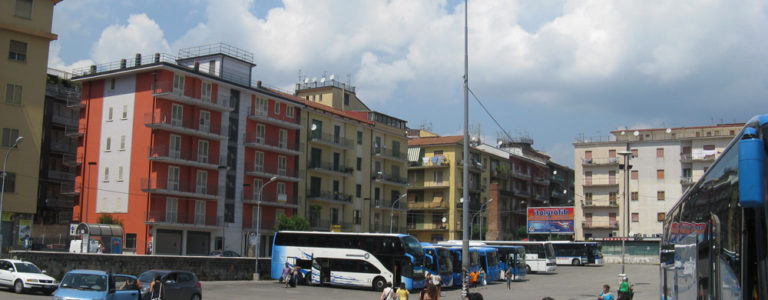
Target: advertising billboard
[550,220]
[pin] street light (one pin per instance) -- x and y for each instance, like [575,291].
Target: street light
[392,211]
[258,225]
[625,219]
[2,189]
[482,207]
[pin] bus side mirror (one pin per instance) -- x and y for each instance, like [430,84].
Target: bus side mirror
[751,169]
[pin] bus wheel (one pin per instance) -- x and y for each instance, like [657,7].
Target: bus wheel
[379,284]
[575,262]
[528,269]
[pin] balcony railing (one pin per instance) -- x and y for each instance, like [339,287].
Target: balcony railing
[60,146]
[600,224]
[431,162]
[329,196]
[272,170]
[62,92]
[64,120]
[600,161]
[389,178]
[385,228]
[600,204]
[428,185]
[520,175]
[337,141]
[686,180]
[387,203]
[600,181]
[59,175]
[187,188]
[185,126]
[269,198]
[328,166]
[541,180]
[389,153]
[426,204]
[74,131]
[427,226]
[158,216]
[191,96]
[266,224]
[72,160]
[282,121]
[273,144]
[63,202]
[184,156]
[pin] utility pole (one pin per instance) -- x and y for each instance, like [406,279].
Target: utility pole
[465,183]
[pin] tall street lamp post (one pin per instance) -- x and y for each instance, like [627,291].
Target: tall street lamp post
[625,219]
[258,225]
[479,212]
[392,211]
[2,189]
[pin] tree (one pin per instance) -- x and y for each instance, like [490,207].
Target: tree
[109,219]
[294,222]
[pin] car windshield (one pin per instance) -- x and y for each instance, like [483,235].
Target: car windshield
[149,276]
[92,282]
[27,268]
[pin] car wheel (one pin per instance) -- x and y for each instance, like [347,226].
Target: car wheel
[196,297]
[379,284]
[18,287]
[575,262]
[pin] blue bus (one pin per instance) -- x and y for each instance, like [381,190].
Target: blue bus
[489,261]
[350,259]
[474,262]
[511,256]
[438,260]
[713,244]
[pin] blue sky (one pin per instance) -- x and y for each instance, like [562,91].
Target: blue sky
[549,70]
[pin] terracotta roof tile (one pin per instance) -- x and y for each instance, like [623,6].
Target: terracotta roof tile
[437,140]
[319,106]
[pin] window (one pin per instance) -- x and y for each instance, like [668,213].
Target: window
[171,206]
[612,153]
[281,196]
[112,83]
[659,152]
[634,196]
[125,112]
[282,138]
[23,9]
[202,151]
[17,51]
[612,197]
[13,94]
[346,99]
[356,216]
[258,161]
[120,173]
[178,84]
[106,174]
[177,115]
[261,106]
[122,143]
[201,182]
[358,190]
[588,154]
[261,132]
[108,146]
[281,165]
[359,137]
[130,241]
[359,164]
[257,183]
[633,174]
[635,217]
[9,136]
[10,182]
[205,93]
[289,111]
[660,174]
[109,114]
[438,177]
[634,153]
[660,195]
[661,216]
[709,147]
[175,146]
[588,197]
[173,178]
[277,108]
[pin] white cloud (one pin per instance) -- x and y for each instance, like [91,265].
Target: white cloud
[55,61]
[140,35]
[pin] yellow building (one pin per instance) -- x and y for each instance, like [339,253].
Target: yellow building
[435,186]
[25,31]
[355,162]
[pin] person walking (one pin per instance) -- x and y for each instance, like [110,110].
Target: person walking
[606,294]
[431,293]
[402,292]
[508,276]
[388,293]
[286,277]
[437,281]
[156,288]
[482,277]
[625,290]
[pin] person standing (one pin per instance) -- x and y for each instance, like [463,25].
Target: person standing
[402,292]
[508,276]
[437,281]
[625,290]
[286,277]
[606,294]
[482,277]
[155,289]
[387,293]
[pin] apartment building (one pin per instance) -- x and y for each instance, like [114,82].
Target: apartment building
[25,32]
[664,163]
[355,161]
[561,187]
[182,148]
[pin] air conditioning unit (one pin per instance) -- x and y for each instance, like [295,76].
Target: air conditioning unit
[614,233]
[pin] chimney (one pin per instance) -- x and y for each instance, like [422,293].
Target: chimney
[258,84]
[122,63]
[197,66]
[157,57]
[93,69]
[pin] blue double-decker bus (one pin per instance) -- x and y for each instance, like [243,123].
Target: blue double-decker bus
[438,260]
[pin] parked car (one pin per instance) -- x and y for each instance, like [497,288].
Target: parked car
[24,276]
[176,285]
[225,253]
[93,284]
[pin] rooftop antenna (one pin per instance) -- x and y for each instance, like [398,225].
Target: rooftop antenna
[322,79]
[349,79]
[306,80]
[333,77]
[299,75]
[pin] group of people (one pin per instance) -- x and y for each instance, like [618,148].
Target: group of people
[291,276]
[625,291]
[431,290]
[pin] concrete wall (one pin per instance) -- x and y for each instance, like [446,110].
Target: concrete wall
[206,268]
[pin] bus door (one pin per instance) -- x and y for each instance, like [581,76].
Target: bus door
[321,271]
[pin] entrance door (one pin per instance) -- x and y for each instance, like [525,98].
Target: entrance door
[198,243]
[168,242]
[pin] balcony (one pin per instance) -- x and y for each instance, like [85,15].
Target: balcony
[541,180]
[390,179]
[331,140]
[180,189]
[75,102]
[390,154]
[499,173]
[428,185]
[704,158]
[600,182]
[70,94]
[56,202]
[74,130]
[385,228]
[267,226]
[187,126]
[430,162]
[250,196]
[64,120]
[182,219]
[600,204]
[520,175]
[62,147]
[427,227]
[600,162]
[59,175]
[387,204]
[272,170]
[686,158]
[164,89]
[686,180]
[428,204]
[183,157]
[329,168]
[522,193]
[600,224]
[70,189]
[329,197]
[473,166]
[264,117]
[322,225]
[273,144]
[72,160]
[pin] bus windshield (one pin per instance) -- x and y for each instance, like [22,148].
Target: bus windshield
[444,259]
[413,247]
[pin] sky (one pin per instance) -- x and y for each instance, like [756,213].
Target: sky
[549,70]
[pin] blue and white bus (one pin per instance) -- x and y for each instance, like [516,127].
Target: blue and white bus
[714,240]
[350,259]
[511,256]
[489,261]
[570,253]
[474,262]
[438,260]
[539,256]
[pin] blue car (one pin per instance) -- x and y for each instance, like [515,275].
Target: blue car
[92,284]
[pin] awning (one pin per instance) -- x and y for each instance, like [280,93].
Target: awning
[99,229]
[413,154]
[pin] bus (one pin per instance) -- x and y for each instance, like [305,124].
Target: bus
[571,253]
[474,262]
[489,261]
[511,256]
[713,244]
[539,256]
[350,259]
[594,253]
[438,260]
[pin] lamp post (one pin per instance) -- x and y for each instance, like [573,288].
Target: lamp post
[392,211]
[258,226]
[625,218]
[2,189]
[482,207]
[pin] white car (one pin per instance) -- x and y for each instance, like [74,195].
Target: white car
[25,276]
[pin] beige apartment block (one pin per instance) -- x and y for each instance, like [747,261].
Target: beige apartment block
[664,163]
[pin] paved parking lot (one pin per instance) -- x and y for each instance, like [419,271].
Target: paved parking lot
[567,283]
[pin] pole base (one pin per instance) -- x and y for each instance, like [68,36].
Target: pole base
[256,277]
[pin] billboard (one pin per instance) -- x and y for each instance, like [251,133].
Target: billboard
[550,220]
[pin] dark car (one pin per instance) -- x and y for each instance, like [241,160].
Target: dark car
[225,253]
[176,285]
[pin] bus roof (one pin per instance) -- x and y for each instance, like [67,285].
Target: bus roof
[347,233]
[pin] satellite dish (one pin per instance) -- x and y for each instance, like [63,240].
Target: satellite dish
[669,130]
[636,133]
[333,77]
[314,127]
[500,143]
[306,80]
[322,80]
[314,79]
[623,132]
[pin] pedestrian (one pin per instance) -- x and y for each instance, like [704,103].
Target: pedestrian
[402,292]
[625,290]
[286,277]
[508,276]
[437,281]
[482,277]
[387,293]
[156,288]
[295,276]
[606,293]
[431,293]
[473,279]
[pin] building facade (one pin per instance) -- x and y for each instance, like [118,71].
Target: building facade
[25,32]
[664,163]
